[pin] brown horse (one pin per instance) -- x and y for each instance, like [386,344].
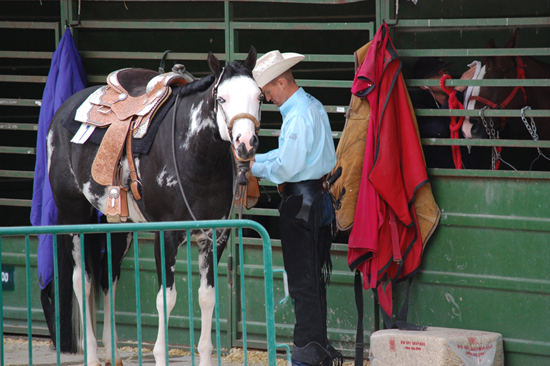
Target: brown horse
[518,97]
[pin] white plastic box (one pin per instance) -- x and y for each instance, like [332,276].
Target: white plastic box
[436,347]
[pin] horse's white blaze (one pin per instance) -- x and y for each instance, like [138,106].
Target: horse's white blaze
[107,328]
[159,351]
[248,101]
[207,300]
[90,339]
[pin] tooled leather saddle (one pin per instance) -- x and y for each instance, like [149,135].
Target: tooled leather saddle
[127,103]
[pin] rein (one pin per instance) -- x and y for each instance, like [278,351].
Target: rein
[240,180]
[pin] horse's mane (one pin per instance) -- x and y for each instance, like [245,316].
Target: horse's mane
[195,87]
[236,68]
[232,69]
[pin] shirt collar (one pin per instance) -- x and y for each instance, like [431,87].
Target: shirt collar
[287,106]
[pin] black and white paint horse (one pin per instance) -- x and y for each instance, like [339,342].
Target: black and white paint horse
[487,97]
[197,124]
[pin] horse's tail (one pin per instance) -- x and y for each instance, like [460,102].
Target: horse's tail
[70,323]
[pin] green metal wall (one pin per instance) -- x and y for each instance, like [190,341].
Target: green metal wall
[484,268]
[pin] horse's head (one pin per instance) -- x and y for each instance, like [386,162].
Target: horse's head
[238,101]
[490,97]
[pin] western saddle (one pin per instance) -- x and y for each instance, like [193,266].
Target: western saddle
[127,103]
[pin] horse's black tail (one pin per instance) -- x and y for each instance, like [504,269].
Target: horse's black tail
[70,324]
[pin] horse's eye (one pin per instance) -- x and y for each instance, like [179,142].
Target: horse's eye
[221,100]
[261,97]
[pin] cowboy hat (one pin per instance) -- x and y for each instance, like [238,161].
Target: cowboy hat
[273,64]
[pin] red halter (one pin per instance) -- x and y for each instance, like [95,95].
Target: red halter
[520,68]
[520,72]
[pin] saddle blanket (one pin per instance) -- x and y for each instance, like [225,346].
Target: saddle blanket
[139,145]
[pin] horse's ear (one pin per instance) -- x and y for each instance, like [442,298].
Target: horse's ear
[214,64]
[514,41]
[250,61]
[491,44]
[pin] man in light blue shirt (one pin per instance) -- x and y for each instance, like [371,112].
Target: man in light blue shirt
[305,155]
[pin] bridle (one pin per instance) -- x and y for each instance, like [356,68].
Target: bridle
[520,74]
[230,122]
[239,178]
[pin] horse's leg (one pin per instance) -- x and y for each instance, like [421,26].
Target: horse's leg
[172,242]
[207,293]
[91,342]
[207,300]
[120,244]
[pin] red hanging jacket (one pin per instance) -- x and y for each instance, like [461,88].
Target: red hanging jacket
[386,242]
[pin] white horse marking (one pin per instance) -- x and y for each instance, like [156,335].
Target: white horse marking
[90,339]
[165,179]
[99,202]
[159,351]
[107,330]
[207,300]
[198,122]
[248,101]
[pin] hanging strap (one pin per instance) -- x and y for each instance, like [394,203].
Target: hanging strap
[359,337]
[384,296]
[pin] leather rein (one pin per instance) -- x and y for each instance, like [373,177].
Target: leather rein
[242,169]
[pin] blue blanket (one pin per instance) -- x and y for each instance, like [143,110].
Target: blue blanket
[65,78]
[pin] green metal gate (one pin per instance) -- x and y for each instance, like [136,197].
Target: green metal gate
[189,267]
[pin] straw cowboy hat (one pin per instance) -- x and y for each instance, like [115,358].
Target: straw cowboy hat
[273,64]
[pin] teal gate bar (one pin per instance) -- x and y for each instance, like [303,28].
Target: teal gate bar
[135,229]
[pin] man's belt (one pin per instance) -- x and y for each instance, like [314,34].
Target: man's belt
[308,189]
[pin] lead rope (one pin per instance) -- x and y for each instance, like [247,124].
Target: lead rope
[455,125]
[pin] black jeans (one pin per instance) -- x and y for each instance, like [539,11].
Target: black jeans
[306,250]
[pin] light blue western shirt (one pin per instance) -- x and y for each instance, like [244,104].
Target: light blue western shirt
[306,148]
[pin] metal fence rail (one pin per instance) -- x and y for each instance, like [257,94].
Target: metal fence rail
[32,287]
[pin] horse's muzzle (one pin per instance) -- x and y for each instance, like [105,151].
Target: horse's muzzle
[477,130]
[247,152]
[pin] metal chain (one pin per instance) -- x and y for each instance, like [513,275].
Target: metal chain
[493,134]
[532,128]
